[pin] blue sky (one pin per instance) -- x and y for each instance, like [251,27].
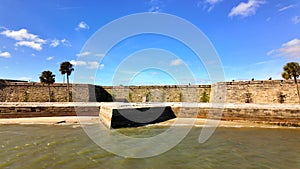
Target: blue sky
[253,38]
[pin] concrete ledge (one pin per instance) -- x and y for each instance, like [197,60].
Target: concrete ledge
[279,114]
[44,109]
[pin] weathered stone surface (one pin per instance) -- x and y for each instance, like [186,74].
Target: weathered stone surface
[35,109]
[36,92]
[281,114]
[270,91]
[288,114]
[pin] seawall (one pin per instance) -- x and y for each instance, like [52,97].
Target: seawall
[279,114]
[44,109]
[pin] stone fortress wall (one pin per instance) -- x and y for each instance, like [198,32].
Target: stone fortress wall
[270,91]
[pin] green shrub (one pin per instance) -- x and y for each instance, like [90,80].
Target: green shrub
[204,97]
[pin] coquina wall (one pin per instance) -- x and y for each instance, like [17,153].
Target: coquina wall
[174,93]
[271,91]
[36,92]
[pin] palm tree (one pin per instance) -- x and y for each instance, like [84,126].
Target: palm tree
[47,78]
[66,68]
[292,71]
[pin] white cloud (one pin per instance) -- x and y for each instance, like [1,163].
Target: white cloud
[30,44]
[94,65]
[176,62]
[5,54]
[245,9]
[82,25]
[50,58]
[101,66]
[65,42]
[208,4]
[296,19]
[2,27]
[55,43]
[78,63]
[24,38]
[22,35]
[289,49]
[82,54]
[100,54]
[286,8]
[73,62]
[212,2]
[155,6]
[81,63]
[271,52]
[155,9]
[88,65]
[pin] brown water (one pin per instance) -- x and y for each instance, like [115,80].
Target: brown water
[43,146]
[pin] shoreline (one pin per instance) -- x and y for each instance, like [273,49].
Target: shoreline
[89,120]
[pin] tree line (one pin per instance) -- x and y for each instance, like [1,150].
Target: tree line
[48,78]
